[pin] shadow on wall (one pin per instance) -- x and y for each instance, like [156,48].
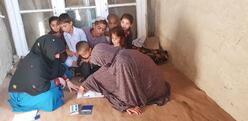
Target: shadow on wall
[183,46]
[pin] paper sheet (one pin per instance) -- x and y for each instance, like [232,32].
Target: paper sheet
[26,116]
[89,94]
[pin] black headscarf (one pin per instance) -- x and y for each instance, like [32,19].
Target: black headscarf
[34,71]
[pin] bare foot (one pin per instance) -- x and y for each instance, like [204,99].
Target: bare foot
[135,110]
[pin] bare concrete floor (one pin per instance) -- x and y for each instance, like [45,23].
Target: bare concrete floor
[188,103]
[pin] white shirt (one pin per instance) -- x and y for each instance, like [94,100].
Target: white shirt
[72,40]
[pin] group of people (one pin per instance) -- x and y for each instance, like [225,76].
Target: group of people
[105,57]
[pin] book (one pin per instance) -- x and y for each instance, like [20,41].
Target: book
[76,109]
[86,109]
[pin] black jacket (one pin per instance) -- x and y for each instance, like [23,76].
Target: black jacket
[34,71]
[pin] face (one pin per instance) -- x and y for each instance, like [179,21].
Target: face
[55,26]
[99,29]
[66,27]
[85,54]
[116,40]
[125,24]
[112,22]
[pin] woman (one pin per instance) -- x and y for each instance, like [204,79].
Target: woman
[37,79]
[127,78]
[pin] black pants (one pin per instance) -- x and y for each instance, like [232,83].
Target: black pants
[87,69]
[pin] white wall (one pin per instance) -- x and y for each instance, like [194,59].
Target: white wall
[208,42]
[5,49]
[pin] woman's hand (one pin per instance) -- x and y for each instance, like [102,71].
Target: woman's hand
[81,90]
[71,86]
[135,110]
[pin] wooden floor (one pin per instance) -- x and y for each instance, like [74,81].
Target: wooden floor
[188,103]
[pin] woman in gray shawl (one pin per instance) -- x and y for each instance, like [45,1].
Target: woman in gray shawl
[127,78]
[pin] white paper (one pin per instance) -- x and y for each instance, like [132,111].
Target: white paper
[90,94]
[27,116]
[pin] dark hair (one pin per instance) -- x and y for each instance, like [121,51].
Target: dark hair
[127,16]
[113,16]
[118,31]
[82,45]
[53,18]
[64,18]
[101,22]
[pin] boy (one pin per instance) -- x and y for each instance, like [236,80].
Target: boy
[113,21]
[72,36]
[84,52]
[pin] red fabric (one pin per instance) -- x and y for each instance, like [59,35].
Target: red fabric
[56,81]
[65,77]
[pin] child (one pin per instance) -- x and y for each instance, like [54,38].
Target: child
[72,36]
[118,38]
[84,51]
[113,21]
[54,25]
[56,31]
[126,24]
[95,34]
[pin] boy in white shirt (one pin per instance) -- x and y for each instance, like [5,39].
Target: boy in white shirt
[72,36]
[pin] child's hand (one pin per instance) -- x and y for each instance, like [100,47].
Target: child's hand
[62,82]
[69,52]
[74,64]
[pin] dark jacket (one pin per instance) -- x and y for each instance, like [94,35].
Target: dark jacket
[128,39]
[34,71]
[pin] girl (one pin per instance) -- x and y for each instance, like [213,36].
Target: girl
[117,36]
[126,24]
[54,26]
[56,31]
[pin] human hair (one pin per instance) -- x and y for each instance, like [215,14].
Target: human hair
[82,46]
[53,18]
[64,18]
[101,22]
[128,17]
[119,32]
[112,16]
